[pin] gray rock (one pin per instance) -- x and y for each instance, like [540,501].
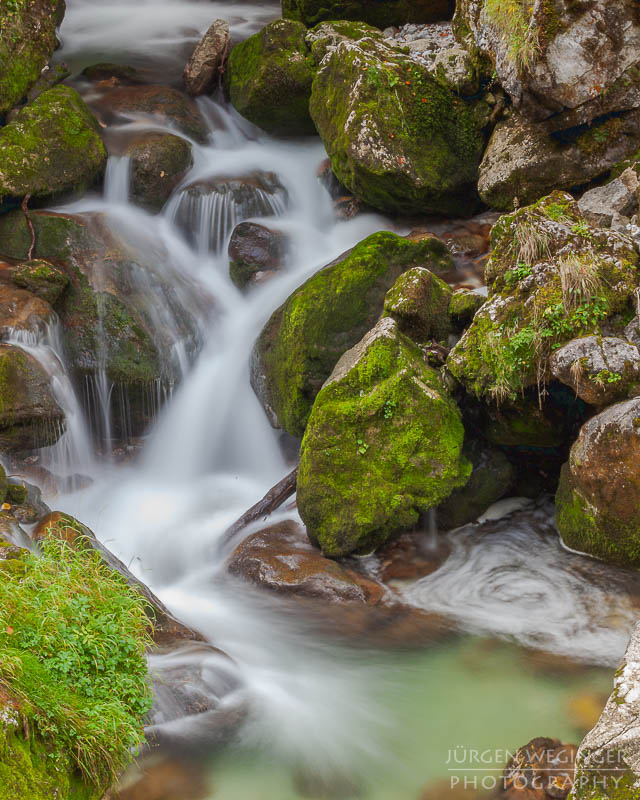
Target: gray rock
[602,205]
[205,67]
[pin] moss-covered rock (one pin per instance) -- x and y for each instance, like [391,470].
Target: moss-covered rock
[383,445]
[269,77]
[27,42]
[463,306]
[159,161]
[396,137]
[53,146]
[381,13]
[327,315]
[551,277]
[598,499]
[40,278]
[419,303]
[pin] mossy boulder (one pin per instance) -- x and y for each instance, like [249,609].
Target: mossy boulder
[381,13]
[29,414]
[397,138]
[383,445]
[419,303]
[40,278]
[305,337]
[598,498]
[52,147]
[27,42]
[463,306]
[551,277]
[268,79]
[159,161]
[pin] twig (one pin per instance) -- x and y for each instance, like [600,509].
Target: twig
[27,216]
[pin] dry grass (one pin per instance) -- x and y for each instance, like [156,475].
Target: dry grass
[531,242]
[579,280]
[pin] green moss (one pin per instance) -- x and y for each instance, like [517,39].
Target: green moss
[16,493]
[381,14]
[40,278]
[613,781]
[326,316]
[463,306]
[419,302]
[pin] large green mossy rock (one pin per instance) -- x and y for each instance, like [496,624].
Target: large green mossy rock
[269,77]
[397,138]
[551,277]
[27,42]
[327,315]
[52,147]
[381,13]
[598,498]
[383,445]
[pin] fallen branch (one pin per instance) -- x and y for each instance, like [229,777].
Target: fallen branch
[27,216]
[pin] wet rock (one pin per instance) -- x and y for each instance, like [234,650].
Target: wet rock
[29,415]
[165,102]
[159,161]
[167,780]
[381,14]
[540,770]
[305,337]
[419,302]
[382,445]
[410,556]
[106,71]
[463,306]
[204,70]
[524,161]
[272,65]
[280,558]
[397,138]
[40,278]
[616,199]
[330,182]
[598,499]
[600,369]
[52,147]
[22,311]
[255,252]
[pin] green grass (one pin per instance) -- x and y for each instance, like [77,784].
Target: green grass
[72,652]
[513,19]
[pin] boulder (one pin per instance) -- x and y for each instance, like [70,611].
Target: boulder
[551,278]
[254,252]
[463,306]
[607,205]
[115,73]
[27,42]
[600,369]
[541,770]
[419,302]
[381,13]
[301,343]
[205,68]
[22,311]
[397,138]
[598,498]
[269,79]
[30,418]
[608,760]
[524,160]
[40,278]
[159,161]
[52,147]
[383,445]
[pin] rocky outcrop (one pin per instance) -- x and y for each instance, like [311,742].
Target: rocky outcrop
[383,445]
[52,147]
[269,79]
[397,138]
[300,345]
[159,161]
[381,14]
[255,252]
[612,205]
[204,70]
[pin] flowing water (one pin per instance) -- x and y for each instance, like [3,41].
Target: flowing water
[377,723]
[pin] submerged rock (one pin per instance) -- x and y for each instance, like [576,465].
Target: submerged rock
[598,499]
[205,68]
[269,79]
[305,337]
[383,445]
[159,161]
[254,252]
[52,147]
[381,13]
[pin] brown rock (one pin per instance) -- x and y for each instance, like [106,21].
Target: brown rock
[204,69]
[22,311]
[255,251]
[540,770]
[167,780]
[159,161]
[407,557]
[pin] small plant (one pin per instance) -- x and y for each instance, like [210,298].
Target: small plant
[518,29]
[582,229]
[362,447]
[389,408]
[557,212]
[531,242]
[579,280]
[517,274]
[605,376]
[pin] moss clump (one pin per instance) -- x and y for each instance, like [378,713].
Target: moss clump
[381,13]
[269,77]
[72,671]
[53,146]
[383,444]
[463,306]
[326,316]
[396,137]
[419,303]
[16,493]
[40,278]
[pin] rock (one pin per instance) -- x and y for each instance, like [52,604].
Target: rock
[16,493]
[49,77]
[463,306]
[159,161]
[598,499]
[255,251]
[166,102]
[383,445]
[22,311]
[419,302]
[491,478]
[270,66]
[541,770]
[410,556]
[524,161]
[280,558]
[40,278]
[30,418]
[608,759]
[305,337]
[551,278]
[600,369]
[381,14]
[397,138]
[27,42]
[106,71]
[4,485]
[584,709]
[52,147]
[205,68]
[167,780]
[618,198]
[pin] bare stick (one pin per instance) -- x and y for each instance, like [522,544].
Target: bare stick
[27,216]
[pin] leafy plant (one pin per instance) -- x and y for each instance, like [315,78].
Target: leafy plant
[517,274]
[362,447]
[388,409]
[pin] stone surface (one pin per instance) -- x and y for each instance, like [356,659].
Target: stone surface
[380,13]
[40,278]
[22,311]
[204,70]
[419,303]
[618,198]
[541,770]
[255,252]
[159,161]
